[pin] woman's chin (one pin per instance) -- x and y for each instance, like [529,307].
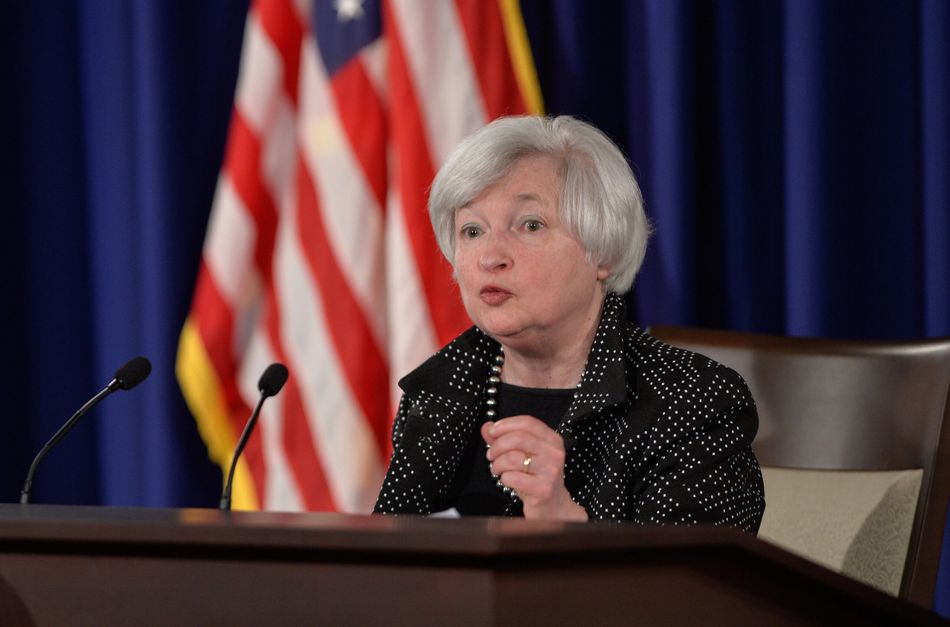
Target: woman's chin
[502,332]
[515,338]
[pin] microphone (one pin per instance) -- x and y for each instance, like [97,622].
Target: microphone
[270,383]
[125,378]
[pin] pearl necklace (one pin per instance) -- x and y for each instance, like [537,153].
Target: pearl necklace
[491,402]
[492,390]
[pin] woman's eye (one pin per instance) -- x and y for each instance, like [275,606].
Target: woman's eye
[533,225]
[471,232]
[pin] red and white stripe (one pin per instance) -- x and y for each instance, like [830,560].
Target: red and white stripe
[319,251]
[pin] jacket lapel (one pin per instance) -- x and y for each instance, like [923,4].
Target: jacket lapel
[604,383]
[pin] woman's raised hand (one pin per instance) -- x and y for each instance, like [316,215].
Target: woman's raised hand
[528,457]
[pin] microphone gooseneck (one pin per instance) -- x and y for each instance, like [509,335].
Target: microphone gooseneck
[126,377]
[270,383]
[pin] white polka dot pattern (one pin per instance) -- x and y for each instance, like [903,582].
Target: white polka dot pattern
[655,434]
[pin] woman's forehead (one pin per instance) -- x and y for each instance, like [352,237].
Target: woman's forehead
[530,180]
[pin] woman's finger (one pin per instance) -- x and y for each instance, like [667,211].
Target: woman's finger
[521,422]
[521,461]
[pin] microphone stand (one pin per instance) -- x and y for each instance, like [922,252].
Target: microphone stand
[225,503]
[53,441]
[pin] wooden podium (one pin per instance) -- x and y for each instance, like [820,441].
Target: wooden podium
[105,566]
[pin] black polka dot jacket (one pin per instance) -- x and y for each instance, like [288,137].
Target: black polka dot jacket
[655,434]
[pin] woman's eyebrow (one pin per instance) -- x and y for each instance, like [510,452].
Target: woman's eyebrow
[525,197]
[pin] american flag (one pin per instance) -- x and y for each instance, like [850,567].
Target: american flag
[319,252]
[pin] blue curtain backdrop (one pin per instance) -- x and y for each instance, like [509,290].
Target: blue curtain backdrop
[794,157]
[113,117]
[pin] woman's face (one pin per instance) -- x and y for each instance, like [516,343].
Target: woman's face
[524,280]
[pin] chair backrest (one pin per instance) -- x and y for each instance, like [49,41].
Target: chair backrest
[880,412]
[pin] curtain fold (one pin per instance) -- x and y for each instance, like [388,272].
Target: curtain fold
[934,59]
[46,287]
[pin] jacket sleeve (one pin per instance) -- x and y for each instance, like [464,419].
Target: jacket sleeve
[390,499]
[421,467]
[698,465]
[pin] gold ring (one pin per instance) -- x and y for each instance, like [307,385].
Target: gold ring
[526,464]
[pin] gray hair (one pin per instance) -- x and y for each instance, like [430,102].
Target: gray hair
[599,203]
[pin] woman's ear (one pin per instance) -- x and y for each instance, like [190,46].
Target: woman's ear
[602,273]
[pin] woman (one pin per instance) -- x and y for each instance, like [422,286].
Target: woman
[553,405]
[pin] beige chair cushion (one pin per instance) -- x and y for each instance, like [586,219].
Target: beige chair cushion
[855,522]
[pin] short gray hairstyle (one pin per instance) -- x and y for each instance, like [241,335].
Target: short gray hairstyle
[600,202]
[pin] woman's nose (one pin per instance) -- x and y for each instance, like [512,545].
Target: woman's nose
[494,255]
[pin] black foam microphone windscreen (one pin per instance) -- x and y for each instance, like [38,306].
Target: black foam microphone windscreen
[131,374]
[273,379]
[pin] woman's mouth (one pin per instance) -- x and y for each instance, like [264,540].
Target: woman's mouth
[492,295]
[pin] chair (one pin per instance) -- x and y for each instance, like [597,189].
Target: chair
[854,441]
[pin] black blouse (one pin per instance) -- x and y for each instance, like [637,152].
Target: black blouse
[478,494]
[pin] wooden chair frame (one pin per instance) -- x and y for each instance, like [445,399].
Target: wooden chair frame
[854,405]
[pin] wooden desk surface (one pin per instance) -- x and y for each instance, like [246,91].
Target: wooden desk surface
[94,565]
